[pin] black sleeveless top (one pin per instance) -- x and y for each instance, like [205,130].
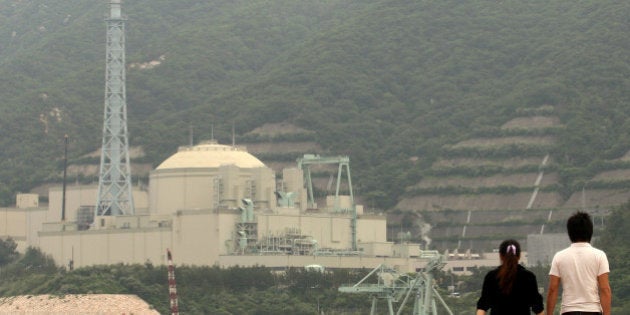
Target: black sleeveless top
[523,299]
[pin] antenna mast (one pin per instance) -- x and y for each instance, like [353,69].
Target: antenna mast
[233,136]
[172,288]
[65,170]
[190,135]
[114,184]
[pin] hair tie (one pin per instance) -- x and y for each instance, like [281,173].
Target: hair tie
[511,249]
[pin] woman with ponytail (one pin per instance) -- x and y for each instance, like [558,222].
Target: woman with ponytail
[510,289]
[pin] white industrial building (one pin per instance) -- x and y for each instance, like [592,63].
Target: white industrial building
[211,204]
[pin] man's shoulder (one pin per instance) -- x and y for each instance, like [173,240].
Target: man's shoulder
[564,252]
[571,251]
[598,251]
[600,256]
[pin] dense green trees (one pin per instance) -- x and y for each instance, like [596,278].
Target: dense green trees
[201,290]
[614,242]
[8,251]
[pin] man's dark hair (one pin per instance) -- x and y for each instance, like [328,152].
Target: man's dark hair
[580,227]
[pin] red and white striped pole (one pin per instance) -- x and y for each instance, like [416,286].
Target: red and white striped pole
[172,288]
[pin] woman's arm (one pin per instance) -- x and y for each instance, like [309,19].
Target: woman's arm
[484,303]
[535,299]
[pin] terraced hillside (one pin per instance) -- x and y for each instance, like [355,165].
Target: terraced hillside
[280,144]
[502,184]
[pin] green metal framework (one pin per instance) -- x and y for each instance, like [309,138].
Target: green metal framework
[394,287]
[304,164]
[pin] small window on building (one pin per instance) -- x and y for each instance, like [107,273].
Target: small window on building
[458,269]
[102,222]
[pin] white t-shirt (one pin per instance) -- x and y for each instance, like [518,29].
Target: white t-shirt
[578,267]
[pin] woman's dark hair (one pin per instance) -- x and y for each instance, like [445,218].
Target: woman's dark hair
[510,251]
[580,227]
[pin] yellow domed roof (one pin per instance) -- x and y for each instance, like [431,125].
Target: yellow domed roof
[210,155]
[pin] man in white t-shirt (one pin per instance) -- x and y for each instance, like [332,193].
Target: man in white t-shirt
[583,272]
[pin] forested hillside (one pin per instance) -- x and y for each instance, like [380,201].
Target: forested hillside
[390,83]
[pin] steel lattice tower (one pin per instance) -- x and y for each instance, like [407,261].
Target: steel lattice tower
[114,185]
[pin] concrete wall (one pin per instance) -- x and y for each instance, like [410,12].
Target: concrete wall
[293,181]
[84,195]
[172,190]
[25,201]
[196,237]
[95,247]
[22,225]
[542,248]
[351,262]
[177,189]
[265,182]
[206,237]
[377,249]
[462,267]
[372,229]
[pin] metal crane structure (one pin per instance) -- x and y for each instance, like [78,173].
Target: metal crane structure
[395,287]
[304,164]
[172,288]
[114,184]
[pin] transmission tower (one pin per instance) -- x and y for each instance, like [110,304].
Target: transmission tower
[114,184]
[172,288]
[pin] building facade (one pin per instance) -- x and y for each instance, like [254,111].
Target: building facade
[212,204]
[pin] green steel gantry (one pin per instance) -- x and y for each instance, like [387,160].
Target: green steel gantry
[394,287]
[304,164]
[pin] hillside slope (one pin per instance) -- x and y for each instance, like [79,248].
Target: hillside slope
[389,83]
[506,185]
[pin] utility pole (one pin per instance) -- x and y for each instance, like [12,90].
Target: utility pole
[65,167]
[172,288]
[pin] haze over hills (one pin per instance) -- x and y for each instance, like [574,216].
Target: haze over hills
[441,105]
